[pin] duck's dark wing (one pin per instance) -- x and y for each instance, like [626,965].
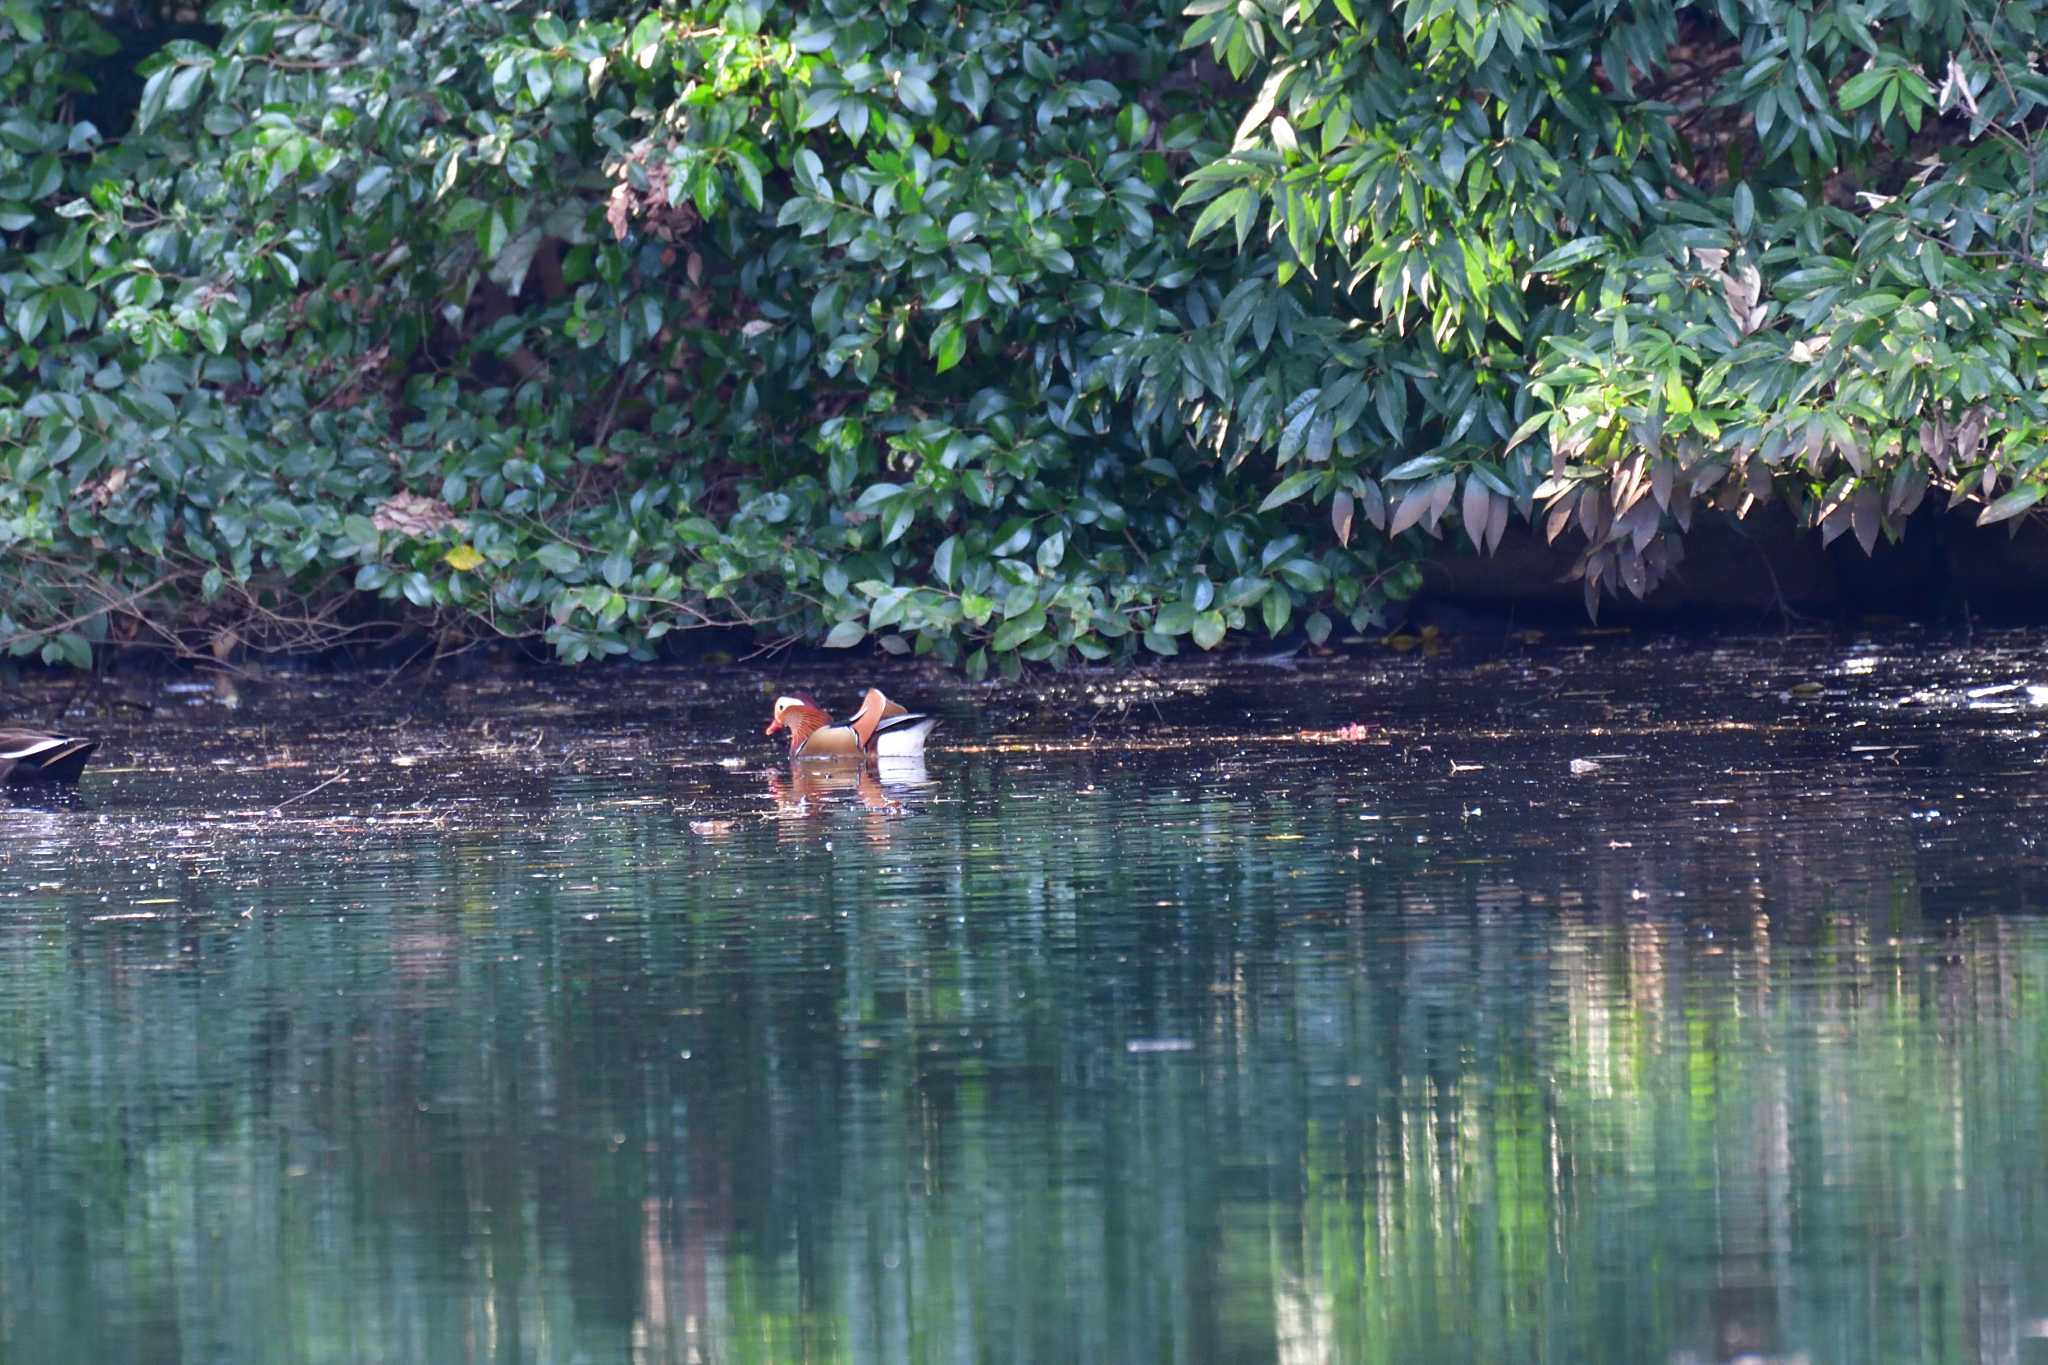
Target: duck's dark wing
[903,720]
[27,756]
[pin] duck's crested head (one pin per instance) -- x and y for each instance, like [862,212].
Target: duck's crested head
[798,714]
[783,706]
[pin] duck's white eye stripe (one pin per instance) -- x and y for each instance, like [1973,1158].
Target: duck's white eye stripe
[782,702]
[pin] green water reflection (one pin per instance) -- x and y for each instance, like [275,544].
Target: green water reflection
[578,1029]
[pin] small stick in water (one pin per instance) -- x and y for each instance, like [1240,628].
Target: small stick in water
[310,790]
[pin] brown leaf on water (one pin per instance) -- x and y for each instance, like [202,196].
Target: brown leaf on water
[1343,734]
[711,829]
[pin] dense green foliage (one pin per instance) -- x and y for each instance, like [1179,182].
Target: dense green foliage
[994,331]
[1712,253]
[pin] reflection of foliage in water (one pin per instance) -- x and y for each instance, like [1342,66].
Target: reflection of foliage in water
[1144,1056]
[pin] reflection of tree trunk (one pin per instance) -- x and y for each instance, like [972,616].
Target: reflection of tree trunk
[681,1318]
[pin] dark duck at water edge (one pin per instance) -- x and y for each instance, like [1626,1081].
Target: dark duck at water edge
[29,756]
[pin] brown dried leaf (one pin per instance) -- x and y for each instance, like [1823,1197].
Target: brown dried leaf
[1442,489]
[1740,291]
[1408,509]
[1907,490]
[1640,524]
[1851,450]
[1496,522]
[1633,576]
[1472,511]
[1833,521]
[408,514]
[1815,436]
[1341,508]
[1375,505]
[1661,475]
[1968,435]
[618,210]
[1560,515]
[1867,516]
[1760,481]
[1628,484]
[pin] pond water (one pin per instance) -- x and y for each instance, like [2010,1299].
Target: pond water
[1600,1001]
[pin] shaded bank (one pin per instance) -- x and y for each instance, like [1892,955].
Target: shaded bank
[1946,570]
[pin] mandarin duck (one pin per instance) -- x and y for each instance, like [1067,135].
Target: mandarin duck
[29,756]
[887,730]
[811,732]
[880,728]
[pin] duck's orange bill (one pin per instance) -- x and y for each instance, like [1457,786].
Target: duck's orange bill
[773,726]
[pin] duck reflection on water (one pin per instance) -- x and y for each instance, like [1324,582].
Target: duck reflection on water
[807,788]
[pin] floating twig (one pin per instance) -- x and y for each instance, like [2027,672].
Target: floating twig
[310,790]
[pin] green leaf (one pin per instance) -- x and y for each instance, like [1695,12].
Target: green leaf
[845,635]
[1416,468]
[30,315]
[1277,606]
[1208,629]
[875,494]
[1575,252]
[749,176]
[494,231]
[819,109]
[1290,488]
[1863,87]
[558,559]
[69,648]
[897,520]
[949,343]
[1017,630]
[153,91]
[1217,212]
[2012,504]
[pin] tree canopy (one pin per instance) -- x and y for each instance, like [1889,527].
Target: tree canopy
[993,331]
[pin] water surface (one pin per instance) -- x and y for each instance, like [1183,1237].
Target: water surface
[1621,1001]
